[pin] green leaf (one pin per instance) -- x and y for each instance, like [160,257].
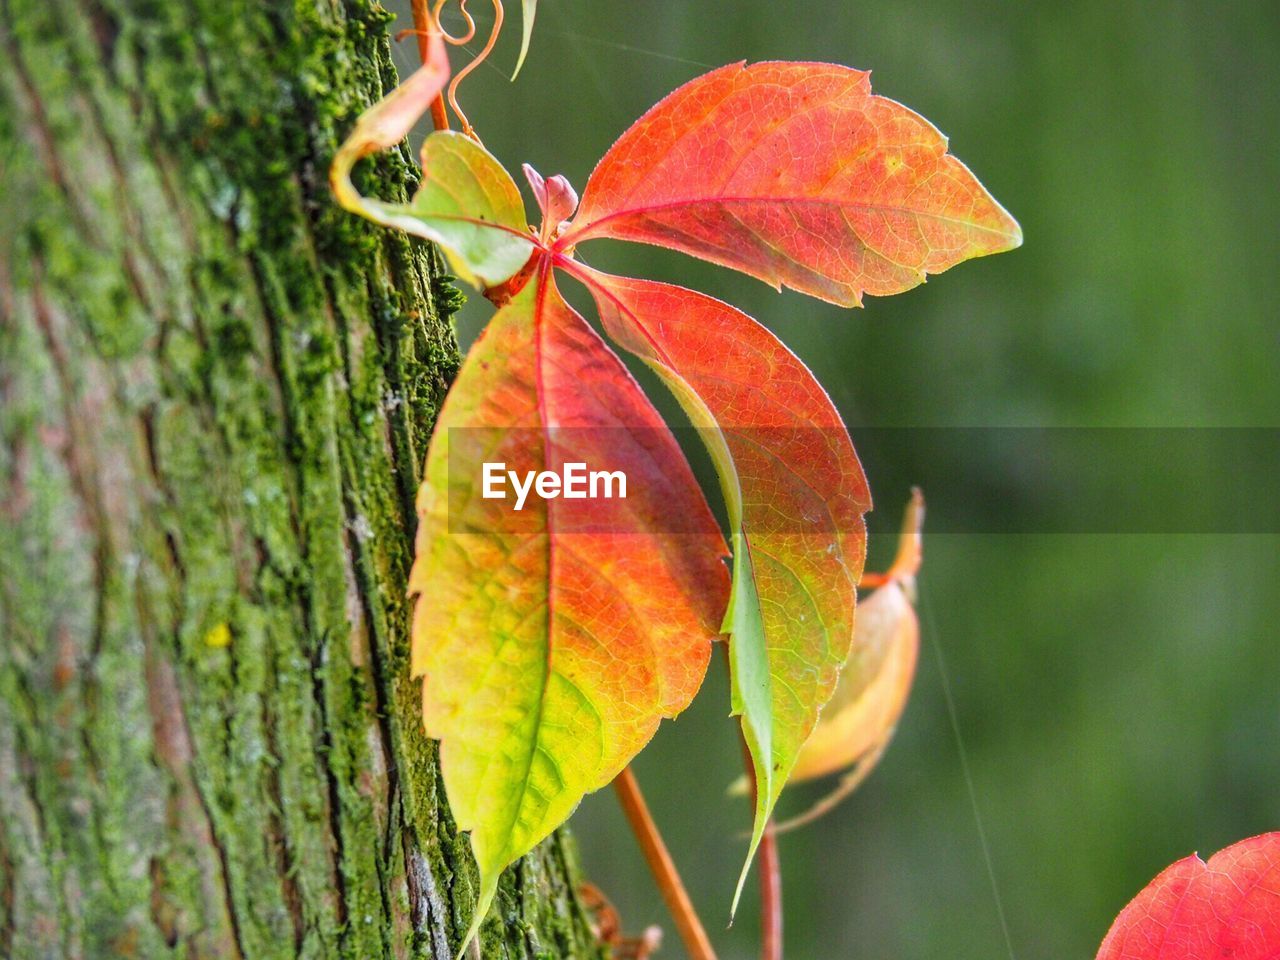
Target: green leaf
[528,10]
[466,202]
[469,205]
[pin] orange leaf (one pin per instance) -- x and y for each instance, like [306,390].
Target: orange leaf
[795,494]
[860,718]
[389,120]
[797,174]
[553,640]
[1228,907]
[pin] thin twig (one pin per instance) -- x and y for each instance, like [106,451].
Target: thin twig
[770,877]
[696,942]
[422,27]
[850,782]
[770,897]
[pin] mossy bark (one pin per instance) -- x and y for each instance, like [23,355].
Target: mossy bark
[215,394]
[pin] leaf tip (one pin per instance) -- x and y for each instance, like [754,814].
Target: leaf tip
[764,808]
[1006,228]
[742,876]
[1012,233]
[529,9]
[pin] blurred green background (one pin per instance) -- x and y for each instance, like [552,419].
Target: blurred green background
[1116,696]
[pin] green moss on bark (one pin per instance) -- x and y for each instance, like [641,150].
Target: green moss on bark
[215,393]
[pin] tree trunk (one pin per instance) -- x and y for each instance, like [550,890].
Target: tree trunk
[215,395]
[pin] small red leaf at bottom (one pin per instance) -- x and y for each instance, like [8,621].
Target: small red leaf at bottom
[1226,908]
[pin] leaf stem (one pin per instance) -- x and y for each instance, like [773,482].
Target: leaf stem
[423,24]
[663,867]
[770,897]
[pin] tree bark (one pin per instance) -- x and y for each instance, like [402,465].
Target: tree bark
[216,390]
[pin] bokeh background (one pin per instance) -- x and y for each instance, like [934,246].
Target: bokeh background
[1090,706]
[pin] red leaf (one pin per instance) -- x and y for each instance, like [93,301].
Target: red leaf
[795,173]
[795,493]
[1226,908]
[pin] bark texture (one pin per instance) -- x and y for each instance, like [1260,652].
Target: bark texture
[215,395]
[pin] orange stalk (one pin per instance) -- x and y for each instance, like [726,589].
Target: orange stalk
[768,864]
[770,897]
[696,942]
[423,24]
[770,879]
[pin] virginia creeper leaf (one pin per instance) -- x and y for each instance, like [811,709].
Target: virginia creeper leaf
[1228,907]
[469,205]
[552,642]
[389,121]
[795,494]
[873,687]
[466,202]
[797,174]
[859,720]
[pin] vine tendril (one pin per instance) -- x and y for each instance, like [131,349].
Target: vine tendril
[462,9]
[427,23]
[478,59]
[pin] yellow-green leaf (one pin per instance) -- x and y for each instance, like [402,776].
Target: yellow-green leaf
[860,718]
[466,202]
[469,205]
[551,641]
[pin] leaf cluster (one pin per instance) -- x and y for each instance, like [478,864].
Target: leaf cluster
[551,649]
